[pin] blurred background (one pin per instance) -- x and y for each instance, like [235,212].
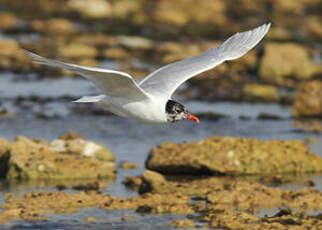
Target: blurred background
[139,36]
[272,92]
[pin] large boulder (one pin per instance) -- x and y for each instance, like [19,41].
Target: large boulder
[7,21]
[261,92]
[135,42]
[61,159]
[308,100]
[181,14]
[54,26]
[91,9]
[11,56]
[283,61]
[77,51]
[233,156]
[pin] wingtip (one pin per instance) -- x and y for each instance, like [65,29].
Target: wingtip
[27,52]
[267,26]
[30,54]
[264,28]
[36,59]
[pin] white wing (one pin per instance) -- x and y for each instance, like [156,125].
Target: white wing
[164,81]
[110,82]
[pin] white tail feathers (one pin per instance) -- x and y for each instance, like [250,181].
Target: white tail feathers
[90,99]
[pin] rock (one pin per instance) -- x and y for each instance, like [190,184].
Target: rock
[152,181]
[133,182]
[116,53]
[97,185]
[314,25]
[135,42]
[231,220]
[260,92]
[97,40]
[233,156]
[168,52]
[183,223]
[4,146]
[268,116]
[308,100]
[152,204]
[217,201]
[123,9]
[55,26]
[91,9]
[32,159]
[11,56]
[36,205]
[281,61]
[128,165]
[7,21]
[77,51]
[179,14]
[90,219]
[4,156]
[288,6]
[79,146]
[279,33]
[153,177]
[88,62]
[70,136]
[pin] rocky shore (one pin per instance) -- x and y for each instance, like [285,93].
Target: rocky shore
[215,202]
[222,201]
[218,182]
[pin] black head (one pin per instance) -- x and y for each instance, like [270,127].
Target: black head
[176,112]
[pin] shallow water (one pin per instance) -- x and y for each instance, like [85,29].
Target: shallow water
[129,140]
[105,219]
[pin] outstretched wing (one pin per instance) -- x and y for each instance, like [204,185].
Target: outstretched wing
[164,81]
[110,82]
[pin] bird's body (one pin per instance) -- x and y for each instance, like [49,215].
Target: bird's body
[150,100]
[148,110]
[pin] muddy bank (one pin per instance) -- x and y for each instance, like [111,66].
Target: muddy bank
[233,156]
[63,158]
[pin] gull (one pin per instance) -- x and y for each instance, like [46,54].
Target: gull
[151,99]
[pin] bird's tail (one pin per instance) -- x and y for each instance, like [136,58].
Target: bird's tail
[90,99]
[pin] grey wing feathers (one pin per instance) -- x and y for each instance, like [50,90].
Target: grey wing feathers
[110,82]
[164,81]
